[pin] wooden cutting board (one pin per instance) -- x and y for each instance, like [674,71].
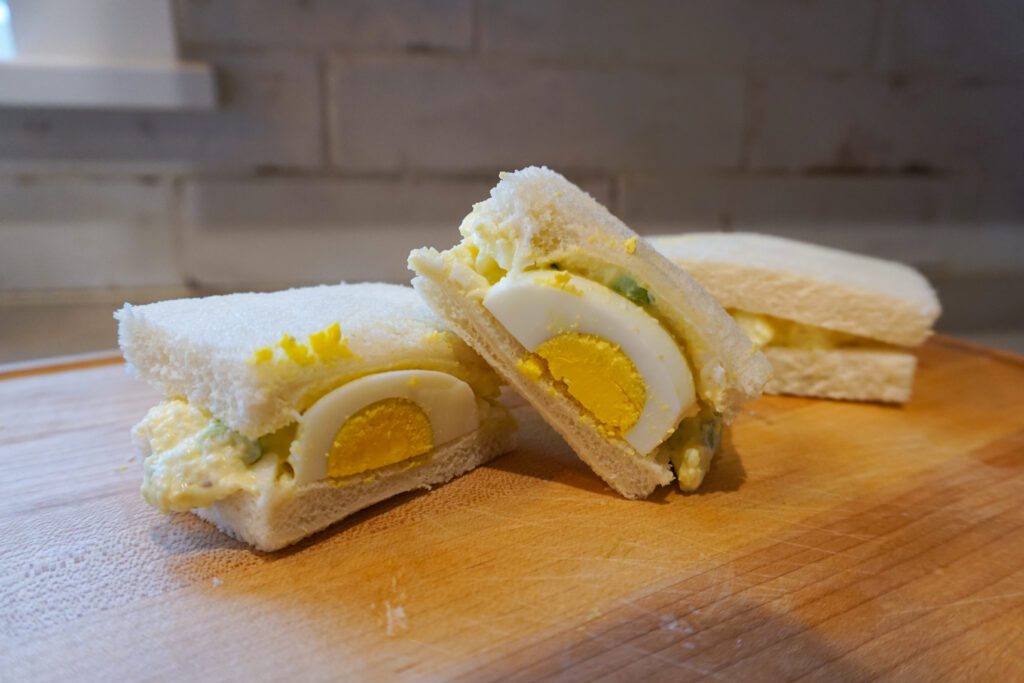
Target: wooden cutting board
[830,541]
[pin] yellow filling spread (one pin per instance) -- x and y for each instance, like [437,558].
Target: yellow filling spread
[560,280]
[768,331]
[382,433]
[193,460]
[326,345]
[691,447]
[599,375]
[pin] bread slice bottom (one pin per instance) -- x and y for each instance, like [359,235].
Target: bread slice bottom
[613,460]
[270,521]
[852,374]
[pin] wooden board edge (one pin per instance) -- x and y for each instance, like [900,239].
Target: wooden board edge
[51,365]
[975,348]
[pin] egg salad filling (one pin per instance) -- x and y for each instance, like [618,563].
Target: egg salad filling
[376,421]
[768,331]
[193,460]
[591,329]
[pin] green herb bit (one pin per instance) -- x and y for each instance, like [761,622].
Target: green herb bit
[629,288]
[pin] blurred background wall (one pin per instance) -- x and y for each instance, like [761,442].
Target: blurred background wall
[350,131]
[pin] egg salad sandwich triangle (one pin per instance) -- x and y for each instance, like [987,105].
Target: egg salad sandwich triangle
[833,324]
[618,349]
[291,410]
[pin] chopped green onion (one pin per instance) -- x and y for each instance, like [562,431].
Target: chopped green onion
[629,288]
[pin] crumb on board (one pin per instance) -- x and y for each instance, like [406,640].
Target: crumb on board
[396,620]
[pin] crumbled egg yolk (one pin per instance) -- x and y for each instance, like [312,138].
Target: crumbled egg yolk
[193,460]
[326,345]
[630,245]
[560,280]
[381,434]
[531,366]
[264,355]
[599,375]
[329,345]
[295,351]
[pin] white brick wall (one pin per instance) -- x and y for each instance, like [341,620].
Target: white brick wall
[919,221]
[868,123]
[746,202]
[284,231]
[85,232]
[980,38]
[396,113]
[269,115]
[350,24]
[350,131]
[763,34]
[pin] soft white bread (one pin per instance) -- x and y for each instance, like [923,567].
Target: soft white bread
[535,216]
[275,518]
[202,349]
[855,374]
[809,284]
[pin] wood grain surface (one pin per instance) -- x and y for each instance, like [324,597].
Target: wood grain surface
[831,541]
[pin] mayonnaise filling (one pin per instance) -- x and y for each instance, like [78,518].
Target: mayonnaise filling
[767,331]
[192,459]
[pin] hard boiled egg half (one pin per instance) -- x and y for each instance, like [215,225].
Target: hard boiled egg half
[380,420]
[613,357]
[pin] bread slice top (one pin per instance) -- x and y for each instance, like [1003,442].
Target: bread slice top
[535,218]
[225,353]
[809,284]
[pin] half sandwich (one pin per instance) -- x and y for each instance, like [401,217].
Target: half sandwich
[288,411]
[833,324]
[620,351]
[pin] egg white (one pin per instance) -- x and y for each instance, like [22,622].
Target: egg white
[448,402]
[533,310]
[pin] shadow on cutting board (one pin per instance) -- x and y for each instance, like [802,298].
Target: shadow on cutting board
[727,472]
[543,454]
[659,637]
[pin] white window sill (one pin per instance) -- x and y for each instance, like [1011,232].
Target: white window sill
[172,85]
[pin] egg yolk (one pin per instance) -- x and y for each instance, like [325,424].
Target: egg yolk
[599,375]
[381,434]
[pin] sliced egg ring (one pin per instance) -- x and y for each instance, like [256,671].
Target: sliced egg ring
[378,420]
[572,321]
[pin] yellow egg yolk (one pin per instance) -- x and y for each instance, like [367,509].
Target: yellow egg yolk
[380,434]
[599,375]
[326,345]
[561,280]
[329,345]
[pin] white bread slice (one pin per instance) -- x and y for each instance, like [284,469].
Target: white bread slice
[809,284]
[271,520]
[202,348]
[854,374]
[540,217]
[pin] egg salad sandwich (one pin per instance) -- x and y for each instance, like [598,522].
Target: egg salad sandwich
[833,324]
[288,411]
[620,351]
